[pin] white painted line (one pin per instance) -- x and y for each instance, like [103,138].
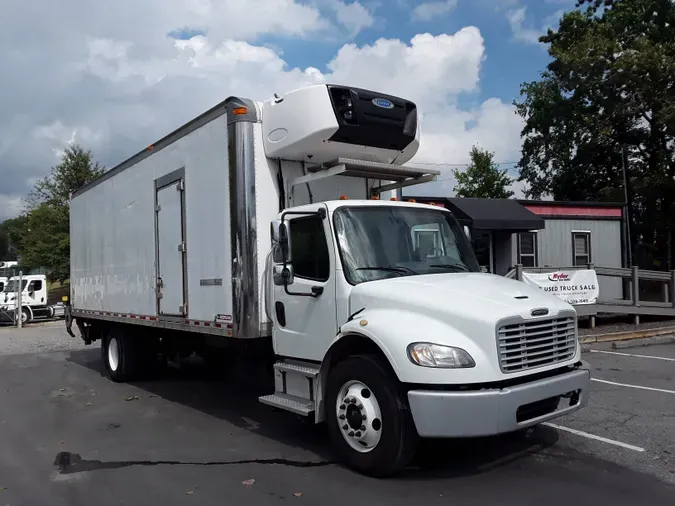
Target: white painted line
[633,355]
[639,387]
[597,438]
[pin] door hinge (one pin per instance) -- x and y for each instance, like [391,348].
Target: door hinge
[182,309]
[181,185]
[158,208]
[181,247]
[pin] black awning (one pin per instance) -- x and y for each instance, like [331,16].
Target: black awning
[495,214]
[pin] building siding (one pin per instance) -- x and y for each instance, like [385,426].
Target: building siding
[554,245]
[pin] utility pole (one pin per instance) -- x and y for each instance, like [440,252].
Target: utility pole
[624,166]
[19,300]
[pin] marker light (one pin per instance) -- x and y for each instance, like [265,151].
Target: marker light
[344,197]
[238,111]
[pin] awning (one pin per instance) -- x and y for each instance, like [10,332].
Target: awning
[489,214]
[495,214]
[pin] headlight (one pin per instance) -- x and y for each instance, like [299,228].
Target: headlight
[436,355]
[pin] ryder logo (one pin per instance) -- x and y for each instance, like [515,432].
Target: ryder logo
[558,276]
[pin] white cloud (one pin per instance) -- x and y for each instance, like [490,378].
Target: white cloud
[94,74]
[429,10]
[354,16]
[516,18]
[523,29]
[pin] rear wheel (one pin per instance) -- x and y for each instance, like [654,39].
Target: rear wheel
[368,417]
[124,354]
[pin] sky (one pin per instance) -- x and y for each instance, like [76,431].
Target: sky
[115,75]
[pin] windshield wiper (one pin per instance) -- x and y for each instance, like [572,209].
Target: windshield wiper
[459,267]
[389,268]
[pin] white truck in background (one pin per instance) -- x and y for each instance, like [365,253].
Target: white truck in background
[275,223]
[34,302]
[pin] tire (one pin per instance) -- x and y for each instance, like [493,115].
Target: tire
[25,316]
[378,455]
[121,354]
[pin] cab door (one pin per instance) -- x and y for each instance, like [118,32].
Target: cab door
[304,311]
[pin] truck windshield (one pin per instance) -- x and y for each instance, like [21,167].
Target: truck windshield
[389,241]
[12,285]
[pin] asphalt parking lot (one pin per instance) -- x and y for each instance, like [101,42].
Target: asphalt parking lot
[70,436]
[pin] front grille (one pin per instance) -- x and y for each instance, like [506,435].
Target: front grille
[532,344]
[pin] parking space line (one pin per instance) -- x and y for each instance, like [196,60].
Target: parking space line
[593,436]
[633,355]
[639,387]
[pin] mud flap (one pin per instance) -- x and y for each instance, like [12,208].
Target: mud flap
[68,317]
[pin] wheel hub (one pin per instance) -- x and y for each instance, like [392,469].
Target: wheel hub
[113,354]
[359,416]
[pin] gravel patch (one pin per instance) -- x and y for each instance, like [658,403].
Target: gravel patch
[38,338]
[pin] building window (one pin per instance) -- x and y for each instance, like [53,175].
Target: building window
[527,249]
[581,248]
[309,249]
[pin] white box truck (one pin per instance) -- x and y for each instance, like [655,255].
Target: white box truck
[275,222]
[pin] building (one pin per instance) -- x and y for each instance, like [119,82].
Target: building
[545,234]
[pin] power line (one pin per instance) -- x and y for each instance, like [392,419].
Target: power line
[440,164]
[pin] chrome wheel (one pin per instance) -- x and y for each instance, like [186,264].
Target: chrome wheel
[113,354]
[359,416]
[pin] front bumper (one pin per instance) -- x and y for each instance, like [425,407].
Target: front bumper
[497,411]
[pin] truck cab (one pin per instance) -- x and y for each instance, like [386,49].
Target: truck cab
[33,289]
[390,295]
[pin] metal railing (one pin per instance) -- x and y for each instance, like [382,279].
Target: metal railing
[634,281]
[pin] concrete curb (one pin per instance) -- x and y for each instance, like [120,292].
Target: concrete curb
[632,338]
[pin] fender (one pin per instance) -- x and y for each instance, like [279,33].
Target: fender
[392,330]
[30,312]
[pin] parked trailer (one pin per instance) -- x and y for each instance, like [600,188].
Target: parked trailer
[272,222]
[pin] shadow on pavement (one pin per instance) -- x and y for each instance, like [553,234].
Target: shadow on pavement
[233,396]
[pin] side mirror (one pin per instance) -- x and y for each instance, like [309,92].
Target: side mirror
[283,276]
[281,241]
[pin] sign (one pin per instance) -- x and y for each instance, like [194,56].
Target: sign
[573,286]
[223,318]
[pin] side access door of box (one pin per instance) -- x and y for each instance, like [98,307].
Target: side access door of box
[170,245]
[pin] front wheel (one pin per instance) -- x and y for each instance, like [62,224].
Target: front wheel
[25,316]
[368,418]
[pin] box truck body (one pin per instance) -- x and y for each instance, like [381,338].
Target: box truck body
[276,222]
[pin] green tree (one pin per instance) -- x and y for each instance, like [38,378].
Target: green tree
[11,237]
[46,239]
[482,178]
[607,99]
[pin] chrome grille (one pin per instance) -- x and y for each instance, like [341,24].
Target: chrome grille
[532,344]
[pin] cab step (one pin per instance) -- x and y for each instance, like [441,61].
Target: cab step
[289,403]
[304,369]
[295,387]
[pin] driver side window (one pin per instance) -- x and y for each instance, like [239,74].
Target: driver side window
[309,248]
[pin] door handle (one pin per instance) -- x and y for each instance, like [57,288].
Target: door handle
[316,291]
